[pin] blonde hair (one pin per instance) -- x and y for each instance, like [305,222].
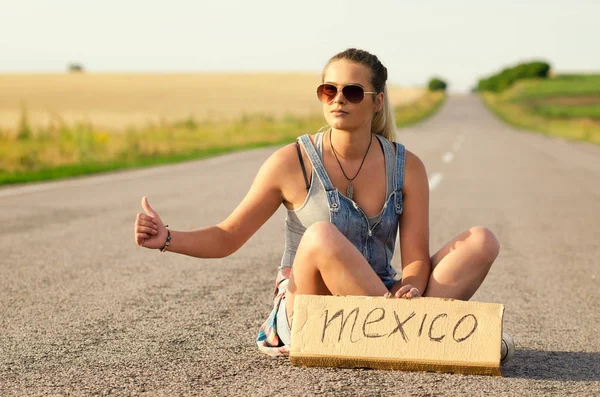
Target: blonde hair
[383,122]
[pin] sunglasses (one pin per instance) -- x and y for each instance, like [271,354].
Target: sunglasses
[353,93]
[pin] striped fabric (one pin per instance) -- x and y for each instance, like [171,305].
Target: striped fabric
[268,340]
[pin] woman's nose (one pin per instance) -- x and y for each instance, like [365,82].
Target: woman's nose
[339,97]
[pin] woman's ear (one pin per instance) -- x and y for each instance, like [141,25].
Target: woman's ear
[378,103]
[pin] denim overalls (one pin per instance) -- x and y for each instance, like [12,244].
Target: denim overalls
[376,242]
[375,238]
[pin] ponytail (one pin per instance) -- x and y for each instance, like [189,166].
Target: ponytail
[384,122]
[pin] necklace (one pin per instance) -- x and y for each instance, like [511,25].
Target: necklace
[350,189]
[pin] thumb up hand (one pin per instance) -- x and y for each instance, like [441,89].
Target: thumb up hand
[149,230]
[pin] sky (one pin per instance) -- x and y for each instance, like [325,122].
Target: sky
[459,40]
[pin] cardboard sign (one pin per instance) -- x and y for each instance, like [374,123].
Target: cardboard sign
[420,334]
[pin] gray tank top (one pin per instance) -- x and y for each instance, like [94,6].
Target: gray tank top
[316,207]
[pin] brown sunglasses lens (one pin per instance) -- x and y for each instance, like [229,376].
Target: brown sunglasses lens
[353,93]
[326,92]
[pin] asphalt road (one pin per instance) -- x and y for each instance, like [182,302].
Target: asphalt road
[84,311]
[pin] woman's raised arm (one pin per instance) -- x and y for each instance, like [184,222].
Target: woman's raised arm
[261,202]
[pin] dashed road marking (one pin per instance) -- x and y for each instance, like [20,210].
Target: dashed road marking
[434,180]
[457,144]
[448,157]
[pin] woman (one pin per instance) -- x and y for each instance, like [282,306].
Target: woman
[348,190]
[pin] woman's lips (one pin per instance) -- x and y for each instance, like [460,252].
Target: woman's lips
[338,112]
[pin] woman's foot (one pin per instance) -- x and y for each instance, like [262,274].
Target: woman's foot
[507,349]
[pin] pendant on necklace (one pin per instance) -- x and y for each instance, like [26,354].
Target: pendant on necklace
[349,191]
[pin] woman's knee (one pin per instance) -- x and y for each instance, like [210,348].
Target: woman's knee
[310,258]
[485,243]
[320,246]
[318,236]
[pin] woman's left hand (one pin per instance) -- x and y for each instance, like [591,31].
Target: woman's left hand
[408,292]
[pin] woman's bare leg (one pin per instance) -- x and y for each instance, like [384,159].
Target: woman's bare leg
[327,263]
[460,266]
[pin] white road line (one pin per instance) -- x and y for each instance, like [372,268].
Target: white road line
[457,144]
[434,181]
[448,157]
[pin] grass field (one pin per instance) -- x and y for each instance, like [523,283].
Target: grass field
[93,137]
[560,86]
[567,106]
[117,101]
[423,107]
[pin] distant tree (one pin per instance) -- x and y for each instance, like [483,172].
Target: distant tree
[505,78]
[437,84]
[75,67]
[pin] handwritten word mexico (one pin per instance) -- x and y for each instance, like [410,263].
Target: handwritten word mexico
[406,326]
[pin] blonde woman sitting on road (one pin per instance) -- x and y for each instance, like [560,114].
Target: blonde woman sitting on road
[348,190]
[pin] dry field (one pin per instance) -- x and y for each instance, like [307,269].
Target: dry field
[118,100]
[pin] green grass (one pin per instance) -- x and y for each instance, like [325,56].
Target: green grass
[421,109]
[567,96]
[84,168]
[567,85]
[566,106]
[60,151]
[568,112]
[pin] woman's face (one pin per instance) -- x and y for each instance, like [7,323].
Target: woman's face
[340,113]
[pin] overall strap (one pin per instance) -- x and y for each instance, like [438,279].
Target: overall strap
[302,165]
[399,176]
[399,171]
[390,163]
[316,162]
